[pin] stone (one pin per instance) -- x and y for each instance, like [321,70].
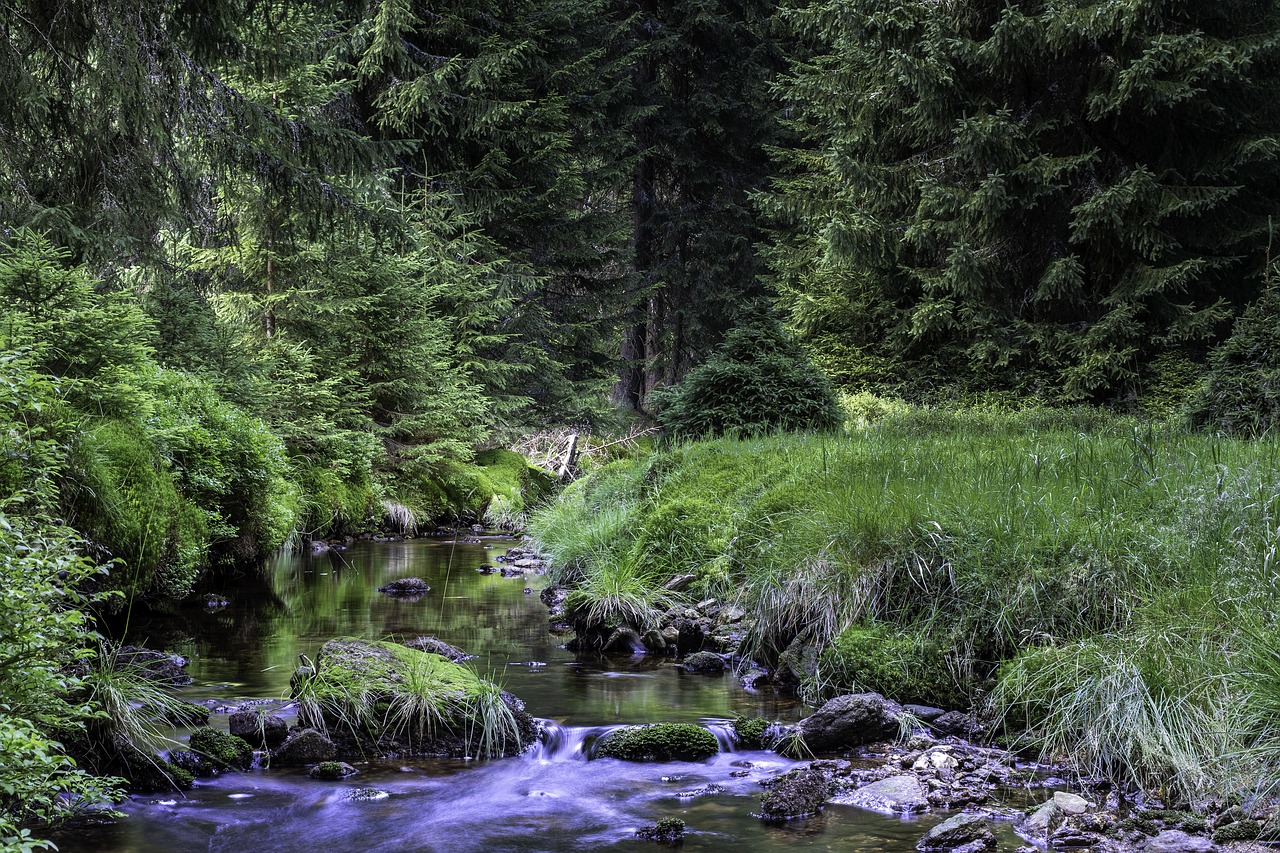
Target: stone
[851,720]
[304,746]
[264,731]
[438,647]
[936,759]
[895,795]
[405,588]
[795,794]
[162,667]
[1177,841]
[968,831]
[669,830]
[1070,803]
[956,723]
[706,663]
[332,771]
[924,713]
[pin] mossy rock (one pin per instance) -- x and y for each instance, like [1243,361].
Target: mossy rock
[706,663]
[658,742]
[332,770]
[386,698]
[1241,830]
[749,732]
[795,794]
[226,752]
[669,830]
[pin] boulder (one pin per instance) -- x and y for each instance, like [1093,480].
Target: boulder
[851,720]
[924,713]
[958,724]
[797,793]
[304,746]
[706,663]
[669,830]
[264,731]
[1177,841]
[405,588]
[963,831]
[438,647]
[895,795]
[332,771]
[223,751]
[161,667]
[658,742]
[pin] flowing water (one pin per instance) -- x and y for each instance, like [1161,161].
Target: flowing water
[549,799]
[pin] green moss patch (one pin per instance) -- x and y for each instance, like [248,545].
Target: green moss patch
[224,751]
[658,742]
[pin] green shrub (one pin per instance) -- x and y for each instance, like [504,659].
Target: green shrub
[906,667]
[758,381]
[1241,395]
[658,742]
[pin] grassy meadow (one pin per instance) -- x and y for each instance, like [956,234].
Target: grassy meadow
[1097,586]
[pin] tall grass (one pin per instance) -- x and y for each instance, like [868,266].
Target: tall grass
[1075,539]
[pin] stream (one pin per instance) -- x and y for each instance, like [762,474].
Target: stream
[548,799]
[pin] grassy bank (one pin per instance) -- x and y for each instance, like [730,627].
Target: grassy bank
[1104,585]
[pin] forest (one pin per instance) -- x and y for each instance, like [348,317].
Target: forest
[944,335]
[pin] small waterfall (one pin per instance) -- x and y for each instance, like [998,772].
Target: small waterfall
[561,743]
[725,736]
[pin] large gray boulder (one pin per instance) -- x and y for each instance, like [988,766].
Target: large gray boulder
[895,795]
[851,720]
[264,731]
[966,832]
[1177,841]
[795,794]
[305,746]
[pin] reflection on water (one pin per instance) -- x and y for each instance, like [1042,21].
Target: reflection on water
[549,799]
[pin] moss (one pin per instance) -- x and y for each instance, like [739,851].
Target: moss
[902,666]
[1241,830]
[669,830]
[749,732]
[332,770]
[226,752]
[401,699]
[658,742]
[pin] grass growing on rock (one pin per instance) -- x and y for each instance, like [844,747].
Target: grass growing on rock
[385,694]
[1065,545]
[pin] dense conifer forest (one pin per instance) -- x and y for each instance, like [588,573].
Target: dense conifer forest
[279,271]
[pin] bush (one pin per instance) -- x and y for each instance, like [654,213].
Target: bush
[1241,395]
[757,382]
[658,742]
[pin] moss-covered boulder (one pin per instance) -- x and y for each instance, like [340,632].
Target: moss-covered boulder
[795,794]
[383,698]
[669,830]
[304,746]
[707,663]
[332,771]
[658,742]
[749,732]
[223,751]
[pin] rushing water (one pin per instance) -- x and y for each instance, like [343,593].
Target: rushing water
[549,799]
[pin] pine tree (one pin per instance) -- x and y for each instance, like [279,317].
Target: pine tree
[1038,194]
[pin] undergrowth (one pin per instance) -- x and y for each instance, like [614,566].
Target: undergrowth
[1045,554]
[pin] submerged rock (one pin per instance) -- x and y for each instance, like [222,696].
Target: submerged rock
[795,794]
[332,770]
[706,663]
[658,742]
[895,795]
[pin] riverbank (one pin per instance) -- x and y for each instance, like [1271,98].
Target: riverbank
[1092,587]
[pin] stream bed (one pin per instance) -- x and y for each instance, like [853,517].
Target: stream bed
[548,799]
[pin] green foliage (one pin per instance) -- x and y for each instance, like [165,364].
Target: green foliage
[657,742]
[905,667]
[758,381]
[984,197]
[749,732]
[1241,394]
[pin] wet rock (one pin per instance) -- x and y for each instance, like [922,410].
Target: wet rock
[936,759]
[1177,841]
[405,588]
[704,791]
[895,795]
[332,770]
[750,733]
[438,647]
[265,731]
[508,572]
[851,720]
[161,667]
[968,832]
[304,746]
[1050,813]
[958,724]
[795,794]
[624,640]
[184,714]
[669,830]
[486,569]
[706,663]
[924,713]
[658,742]
[224,751]
[195,765]
[366,795]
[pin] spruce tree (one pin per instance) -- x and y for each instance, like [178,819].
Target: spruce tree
[1038,194]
